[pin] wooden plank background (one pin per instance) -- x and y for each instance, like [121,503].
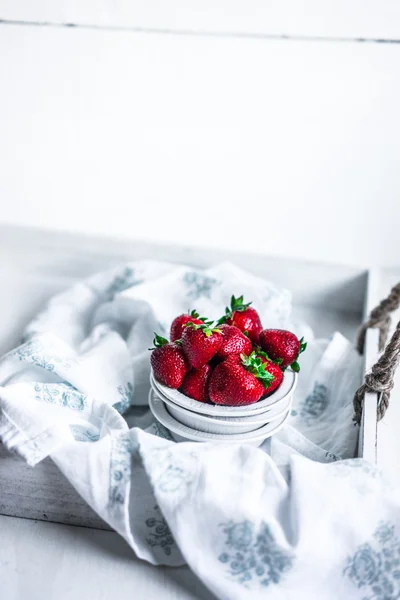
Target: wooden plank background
[124,133]
[328,18]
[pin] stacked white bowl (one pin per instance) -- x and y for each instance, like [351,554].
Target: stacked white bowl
[190,420]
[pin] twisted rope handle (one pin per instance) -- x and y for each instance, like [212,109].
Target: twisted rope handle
[381,378]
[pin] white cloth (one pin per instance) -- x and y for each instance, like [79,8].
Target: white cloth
[249,523]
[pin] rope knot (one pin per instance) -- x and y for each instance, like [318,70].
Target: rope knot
[378,384]
[381,378]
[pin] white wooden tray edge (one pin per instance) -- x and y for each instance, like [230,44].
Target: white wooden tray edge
[367,441]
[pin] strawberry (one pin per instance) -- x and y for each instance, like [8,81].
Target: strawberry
[168,362]
[200,343]
[239,380]
[195,383]
[179,323]
[244,318]
[282,347]
[233,342]
[275,370]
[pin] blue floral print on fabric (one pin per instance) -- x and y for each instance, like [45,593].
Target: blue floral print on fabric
[62,394]
[122,282]
[83,435]
[364,477]
[349,468]
[160,534]
[176,474]
[33,352]
[199,285]
[126,397]
[174,478]
[173,472]
[315,403]
[252,555]
[375,566]
[120,468]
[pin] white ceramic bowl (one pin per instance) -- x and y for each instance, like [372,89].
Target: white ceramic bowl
[281,396]
[184,433]
[223,425]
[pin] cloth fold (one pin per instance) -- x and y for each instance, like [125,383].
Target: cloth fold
[287,520]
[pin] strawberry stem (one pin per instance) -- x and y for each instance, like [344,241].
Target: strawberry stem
[237,305]
[158,341]
[207,327]
[303,345]
[295,365]
[260,352]
[256,367]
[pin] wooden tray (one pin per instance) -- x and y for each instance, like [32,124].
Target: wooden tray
[328,297]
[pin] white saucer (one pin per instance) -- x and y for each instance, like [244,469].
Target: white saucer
[226,424]
[182,432]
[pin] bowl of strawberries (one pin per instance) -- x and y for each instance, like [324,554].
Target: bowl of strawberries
[228,378]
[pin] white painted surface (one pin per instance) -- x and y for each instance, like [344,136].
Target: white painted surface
[41,493]
[44,561]
[367,447]
[367,441]
[351,18]
[131,135]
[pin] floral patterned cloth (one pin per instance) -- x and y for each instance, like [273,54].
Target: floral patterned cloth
[292,522]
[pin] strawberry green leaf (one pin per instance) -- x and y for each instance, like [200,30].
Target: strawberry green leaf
[266,381]
[208,328]
[158,341]
[194,314]
[260,352]
[256,367]
[278,361]
[237,304]
[295,366]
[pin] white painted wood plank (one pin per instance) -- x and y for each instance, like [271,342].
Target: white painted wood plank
[123,134]
[59,258]
[367,443]
[367,447]
[44,561]
[41,493]
[340,18]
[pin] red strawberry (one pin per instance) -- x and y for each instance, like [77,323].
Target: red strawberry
[275,370]
[179,323]
[244,318]
[238,381]
[200,343]
[168,362]
[282,347]
[195,383]
[233,342]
